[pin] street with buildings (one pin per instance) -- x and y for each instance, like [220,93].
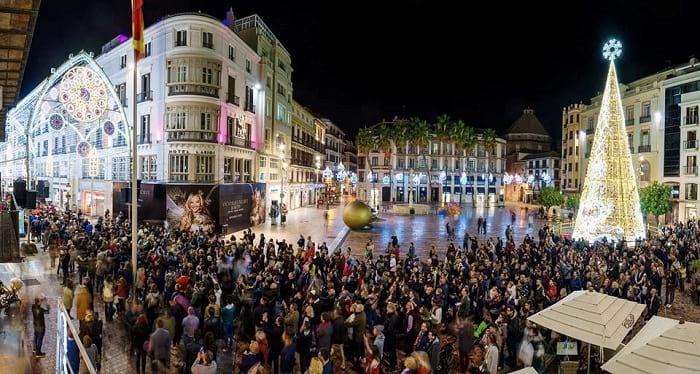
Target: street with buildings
[241,257]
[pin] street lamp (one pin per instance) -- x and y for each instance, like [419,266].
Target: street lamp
[463,182]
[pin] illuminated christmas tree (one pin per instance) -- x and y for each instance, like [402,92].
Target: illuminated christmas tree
[610,200]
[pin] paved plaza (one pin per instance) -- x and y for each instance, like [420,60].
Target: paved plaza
[431,229]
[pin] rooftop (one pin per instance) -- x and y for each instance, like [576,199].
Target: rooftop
[527,124]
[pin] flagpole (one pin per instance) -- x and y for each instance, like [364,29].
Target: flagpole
[134,179]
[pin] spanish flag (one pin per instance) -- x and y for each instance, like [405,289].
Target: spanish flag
[137,28]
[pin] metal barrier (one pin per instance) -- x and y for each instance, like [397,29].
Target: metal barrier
[64,324]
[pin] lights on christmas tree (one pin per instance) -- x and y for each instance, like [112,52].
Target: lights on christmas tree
[610,200]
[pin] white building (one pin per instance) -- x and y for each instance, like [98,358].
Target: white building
[197,94]
[679,102]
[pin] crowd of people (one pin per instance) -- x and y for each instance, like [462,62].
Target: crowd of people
[291,307]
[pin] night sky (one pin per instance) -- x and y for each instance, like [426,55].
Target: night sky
[363,61]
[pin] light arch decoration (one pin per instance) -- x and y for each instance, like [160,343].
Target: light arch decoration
[77,100]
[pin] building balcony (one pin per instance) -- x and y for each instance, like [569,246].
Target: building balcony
[631,149]
[250,108]
[644,148]
[124,101]
[690,144]
[233,99]
[240,142]
[181,43]
[629,121]
[144,96]
[192,89]
[208,45]
[645,119]
[191,136]
[690,170]
[691,120]
[144,139]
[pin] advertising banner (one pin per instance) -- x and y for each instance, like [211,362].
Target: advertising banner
[241,206]
[192,207]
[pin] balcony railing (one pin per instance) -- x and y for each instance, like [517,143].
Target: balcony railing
[629,121]
[233,99]
[691,120]
[208,45]
[590,130]
[250,108]
[144,139]
[690,170]
[144,96]
[690,144]
[180,43]
[644,148]
[192,89]
[645,119]
[240,142]
[191,136]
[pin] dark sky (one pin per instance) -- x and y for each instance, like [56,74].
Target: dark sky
[357,62]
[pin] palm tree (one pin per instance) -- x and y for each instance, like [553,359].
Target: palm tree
[489,138]
[365,141]
[443,125]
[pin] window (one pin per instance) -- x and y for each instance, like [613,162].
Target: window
[148,165]
[205,168]
[375,161]
[400,164]
[98,138]
[281,90]
[207,75]
[231,53]
[121,138]
[434,164]
[147,50]
[590,123]
[145,129]
[629,113]
[630,140]
[262,162]
[281,113]
[182,73]
[120,168]
[179,169]
[268,107]
[178,121]
[646,110]
[122,62]
[181,38]
[645,138]
[205,121]
[145,87]
[247,65]
[691,115]
[691,191]
[207,40]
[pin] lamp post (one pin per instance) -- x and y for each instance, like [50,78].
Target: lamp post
[463,182]
[327,175]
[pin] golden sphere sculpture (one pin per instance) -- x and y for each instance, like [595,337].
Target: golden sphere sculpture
[357,215]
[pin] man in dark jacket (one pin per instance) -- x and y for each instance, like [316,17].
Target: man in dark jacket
[359,327]
[390,329]
[340,334]
[39,309]
[324,332]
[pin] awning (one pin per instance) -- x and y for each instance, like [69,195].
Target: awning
[663,345]
[527,370]
[591,317]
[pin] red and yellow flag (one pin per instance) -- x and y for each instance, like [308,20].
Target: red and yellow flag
[137,28]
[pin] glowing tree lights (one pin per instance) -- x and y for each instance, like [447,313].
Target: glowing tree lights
[610,201]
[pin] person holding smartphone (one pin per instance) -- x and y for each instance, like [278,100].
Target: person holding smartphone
[204,364]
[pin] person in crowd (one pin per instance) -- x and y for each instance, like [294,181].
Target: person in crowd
[91,350]
[251,357]
[39,310]
[159,346]
[204,364]
[288,358]
[140,333]
[68,296]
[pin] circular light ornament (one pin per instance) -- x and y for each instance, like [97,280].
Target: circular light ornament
[83,94]
[56,121]
[84,149]
[612,49]
[108,128]
[507,178]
